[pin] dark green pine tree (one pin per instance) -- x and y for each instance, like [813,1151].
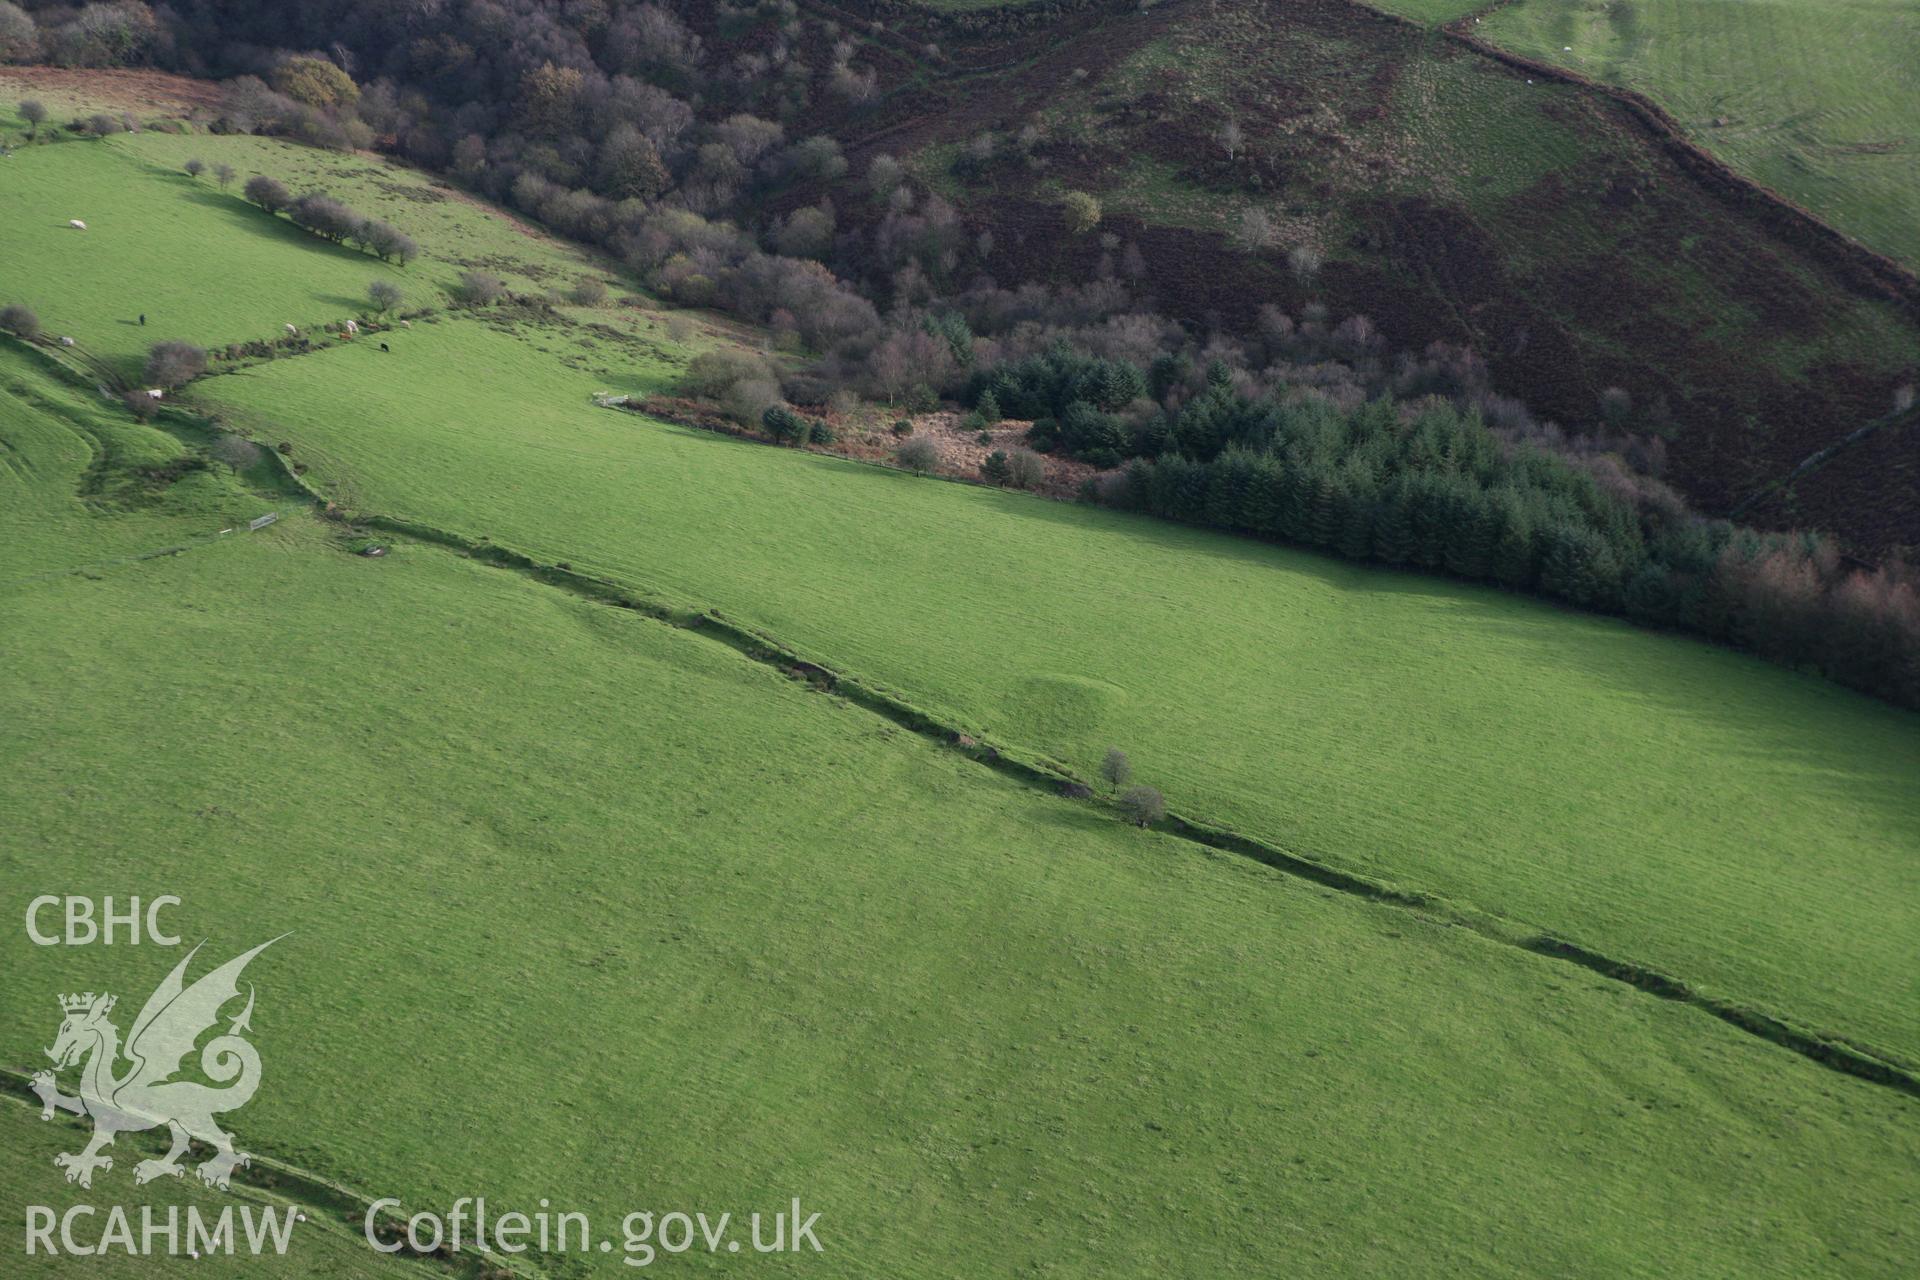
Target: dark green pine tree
[1470,536]
[1392,530]
[1515,554]
[1260,505]
[1325,510]
[1356,525]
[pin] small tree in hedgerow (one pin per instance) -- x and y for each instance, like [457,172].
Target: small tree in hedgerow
[269,193]
[224,175]
[195,167]
[1116,768]
[175,363]
[34,112]
[995,470]
[20,321]
[918,454]
[385,295]
[1144,806]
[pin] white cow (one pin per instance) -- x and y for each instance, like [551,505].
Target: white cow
[76,224]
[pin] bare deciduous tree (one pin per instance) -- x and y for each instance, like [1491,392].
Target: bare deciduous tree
[1255,230]
[175,363]
[1026,469]
[918,454]
[1143,805]
[1232,138]
[1305,260]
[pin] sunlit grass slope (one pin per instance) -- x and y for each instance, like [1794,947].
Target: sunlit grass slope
[204,265]
[591,909]
[1745,828]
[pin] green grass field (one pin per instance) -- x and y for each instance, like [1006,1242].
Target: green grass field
[76,478]
[203,264]
[1820,102]
[587,906]
[316,1249]
[591,909]
[1652,797]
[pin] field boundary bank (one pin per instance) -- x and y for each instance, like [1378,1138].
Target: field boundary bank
[320,1198]
[1058,780]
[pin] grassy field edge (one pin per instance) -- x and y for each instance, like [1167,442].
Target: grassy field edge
[1830,1049]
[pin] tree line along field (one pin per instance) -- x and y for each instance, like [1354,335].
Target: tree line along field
[1815,101]
[590,908]
[558,871]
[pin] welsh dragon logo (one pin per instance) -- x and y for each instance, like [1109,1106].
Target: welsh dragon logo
[145,1095]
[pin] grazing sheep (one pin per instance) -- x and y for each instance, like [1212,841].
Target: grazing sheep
[295,332]
[76,224]
[66,342]
[154,393]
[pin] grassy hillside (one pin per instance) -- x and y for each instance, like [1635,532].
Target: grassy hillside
[592,909]
[1649,796]
[1450,197]
[587,906]
[1820,102]
[203,264]
[81,481]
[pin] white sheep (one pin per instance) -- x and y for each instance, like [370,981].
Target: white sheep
[76,224]
[154,393]
[295,332]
